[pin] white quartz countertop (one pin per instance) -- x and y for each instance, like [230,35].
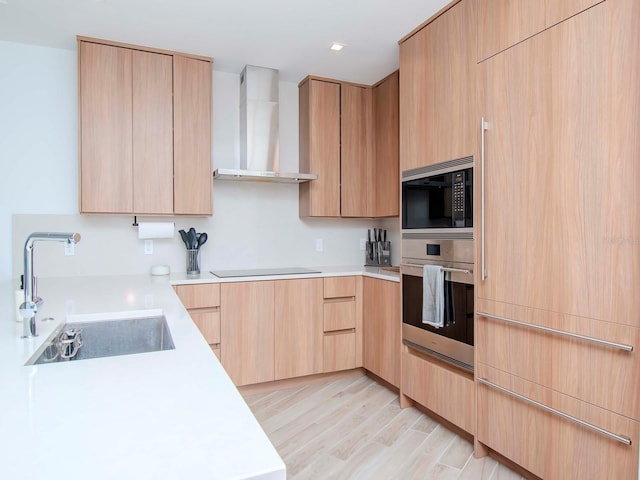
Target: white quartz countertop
[332,271]
[161,415]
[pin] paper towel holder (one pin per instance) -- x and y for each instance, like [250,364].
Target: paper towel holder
[135,221]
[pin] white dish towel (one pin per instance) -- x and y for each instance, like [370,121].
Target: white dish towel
[433,296]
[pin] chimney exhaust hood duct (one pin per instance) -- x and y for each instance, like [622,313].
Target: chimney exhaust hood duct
[259,132]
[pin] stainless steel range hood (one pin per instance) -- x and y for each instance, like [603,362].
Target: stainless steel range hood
[259,132]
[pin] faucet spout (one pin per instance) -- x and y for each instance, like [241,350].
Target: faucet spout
[31,303]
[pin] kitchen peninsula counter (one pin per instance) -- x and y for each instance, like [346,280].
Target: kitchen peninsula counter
[159,415]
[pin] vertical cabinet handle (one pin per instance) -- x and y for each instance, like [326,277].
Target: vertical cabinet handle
[484,126]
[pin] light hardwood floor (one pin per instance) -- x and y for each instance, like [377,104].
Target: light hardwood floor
[354,428]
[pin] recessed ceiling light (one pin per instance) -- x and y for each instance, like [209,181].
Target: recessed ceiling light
[336,47]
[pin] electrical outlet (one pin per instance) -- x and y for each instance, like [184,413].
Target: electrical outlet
[148,247]
[319,245]
[363,243]
[69,248]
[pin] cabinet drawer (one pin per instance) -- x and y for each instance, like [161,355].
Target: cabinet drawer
[443,391]
[339,315]
[336,287]
[596,373]
[201,295]
[339,351]
[547,444]
[209,325]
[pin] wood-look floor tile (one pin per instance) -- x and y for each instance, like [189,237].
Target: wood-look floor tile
[364,432]
[427,455]
[425,424]
[458,453]
[478,469]
[503,473]
[353,428]
[399,425]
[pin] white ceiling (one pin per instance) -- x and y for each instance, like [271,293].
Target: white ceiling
[290,35]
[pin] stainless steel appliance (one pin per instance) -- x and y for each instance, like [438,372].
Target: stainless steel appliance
[453,342]
[438,199]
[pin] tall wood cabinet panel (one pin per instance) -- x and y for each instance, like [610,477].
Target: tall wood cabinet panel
[192,131]
[438,84]
[547,444]
[601,375]
[381,325]
[248,331]
[355,148]
[106,157]
[560,153]
[145,130]
[504,23]
[320,148]
[298,328]
[152,132]
[384,196]
[561,211]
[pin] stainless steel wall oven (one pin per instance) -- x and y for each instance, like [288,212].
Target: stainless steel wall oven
[437,229]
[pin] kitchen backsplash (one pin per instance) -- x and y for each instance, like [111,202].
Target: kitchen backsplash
[254,225]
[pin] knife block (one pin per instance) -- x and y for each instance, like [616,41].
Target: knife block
[377,254]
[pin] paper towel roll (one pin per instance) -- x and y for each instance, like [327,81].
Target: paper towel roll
[155,230]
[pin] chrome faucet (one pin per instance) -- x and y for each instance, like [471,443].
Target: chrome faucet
[31,301]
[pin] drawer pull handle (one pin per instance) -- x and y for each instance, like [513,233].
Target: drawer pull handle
[619,346]
[620,438]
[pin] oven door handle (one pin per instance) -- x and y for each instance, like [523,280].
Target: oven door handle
[446,269]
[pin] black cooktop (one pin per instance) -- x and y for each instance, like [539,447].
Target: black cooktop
[259,272]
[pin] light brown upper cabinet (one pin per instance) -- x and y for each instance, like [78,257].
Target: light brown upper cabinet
[504,23]
[355,140]
[438,85]
[339,128]
[145,130]
[320,147]
[384,187]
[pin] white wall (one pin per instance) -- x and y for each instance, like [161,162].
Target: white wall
[254,224]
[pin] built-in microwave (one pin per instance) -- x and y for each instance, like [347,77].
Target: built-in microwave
[438,198]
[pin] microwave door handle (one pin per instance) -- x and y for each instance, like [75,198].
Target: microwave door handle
[484,126]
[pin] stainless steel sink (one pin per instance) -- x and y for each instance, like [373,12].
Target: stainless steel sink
[109,338]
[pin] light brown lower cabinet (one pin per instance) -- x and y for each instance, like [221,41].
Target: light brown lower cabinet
[203,304]
[446,392]
[342,323]
[248,331]
[298,327]
[339,351]
[274,330]
[548,444]
[381,325]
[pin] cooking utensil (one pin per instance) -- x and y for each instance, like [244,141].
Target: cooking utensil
[185,237]
[202,239]
[193,238]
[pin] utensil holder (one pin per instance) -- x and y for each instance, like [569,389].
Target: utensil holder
[377,254]
[193,261]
